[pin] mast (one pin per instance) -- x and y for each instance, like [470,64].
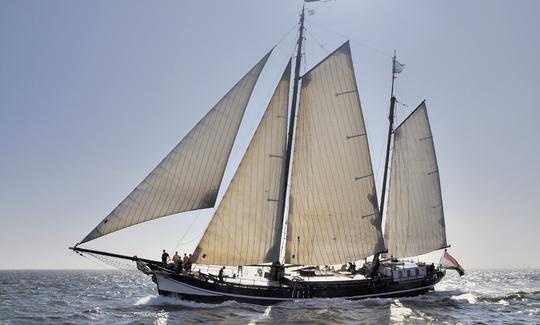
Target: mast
[290,137]
[390,131]
[388,144]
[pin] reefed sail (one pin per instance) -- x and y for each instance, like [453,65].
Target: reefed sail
[189,177]
[246,228]
[415,218]
[333,210]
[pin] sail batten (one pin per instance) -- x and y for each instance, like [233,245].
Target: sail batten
[189,177]
[333,213]
[415,219]
[246,228]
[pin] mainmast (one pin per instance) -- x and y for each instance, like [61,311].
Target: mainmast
[388,145]
[290,137]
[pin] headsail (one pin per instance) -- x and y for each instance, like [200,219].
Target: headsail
[188,178]
[415,218]
[333,210]
[246,228]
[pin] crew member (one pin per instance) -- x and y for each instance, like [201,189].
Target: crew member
[164,258]
[220,275]
[176,258]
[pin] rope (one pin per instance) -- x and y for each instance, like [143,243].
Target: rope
[181,241]
[382,52]
[286,34]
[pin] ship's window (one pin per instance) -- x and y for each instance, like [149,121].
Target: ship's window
[408,273]
[417,272]
[399,274]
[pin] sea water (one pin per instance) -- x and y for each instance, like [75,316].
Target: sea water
[122,297]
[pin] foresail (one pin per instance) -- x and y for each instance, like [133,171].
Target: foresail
[246,228]
[415,218]
[333,210]
[190,175]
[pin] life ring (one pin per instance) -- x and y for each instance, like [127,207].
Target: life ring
[259,271]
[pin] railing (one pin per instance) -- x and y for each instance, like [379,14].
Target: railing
[232,276]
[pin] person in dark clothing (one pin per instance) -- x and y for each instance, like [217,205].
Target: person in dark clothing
[164,258]
[188,265]
[220,275]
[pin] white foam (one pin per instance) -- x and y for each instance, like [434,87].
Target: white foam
[502,302]
[264,316]
[156,300]
[398,312]
[471,298]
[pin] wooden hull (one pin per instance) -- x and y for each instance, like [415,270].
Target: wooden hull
[194,289]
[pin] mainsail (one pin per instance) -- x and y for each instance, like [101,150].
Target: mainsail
[246,228]
[333,213]
[188,178]
[415,218]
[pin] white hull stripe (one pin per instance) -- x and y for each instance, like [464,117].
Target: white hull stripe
[217,293]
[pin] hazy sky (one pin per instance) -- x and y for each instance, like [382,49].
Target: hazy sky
[93,94]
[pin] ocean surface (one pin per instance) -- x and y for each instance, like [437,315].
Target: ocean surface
[122,297]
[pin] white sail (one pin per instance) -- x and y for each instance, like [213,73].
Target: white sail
[190,175]
[246,228]
[333,210]
[415,218]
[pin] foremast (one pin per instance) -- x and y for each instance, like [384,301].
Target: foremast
[290,136]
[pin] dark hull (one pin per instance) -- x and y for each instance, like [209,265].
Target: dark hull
[194,289]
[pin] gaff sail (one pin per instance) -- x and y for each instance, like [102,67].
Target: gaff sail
[415,218]
[333,210]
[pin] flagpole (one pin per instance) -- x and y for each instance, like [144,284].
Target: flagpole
[387,159]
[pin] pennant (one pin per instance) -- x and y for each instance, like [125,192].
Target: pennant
[398,67]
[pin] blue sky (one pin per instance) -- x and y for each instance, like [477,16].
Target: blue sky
[94,94]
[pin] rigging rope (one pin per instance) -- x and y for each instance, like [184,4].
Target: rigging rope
[381,52]
[181,241]
[286,34]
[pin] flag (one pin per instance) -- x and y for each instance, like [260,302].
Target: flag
[448,262]
[398,67]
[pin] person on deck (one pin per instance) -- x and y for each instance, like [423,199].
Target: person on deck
[220,275]
[179,266]
[186,259]
[176,258]
[188,265]
[165,258]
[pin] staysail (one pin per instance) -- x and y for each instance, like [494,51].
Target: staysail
[333,210]
[415,218]
[246,228]
[188,178]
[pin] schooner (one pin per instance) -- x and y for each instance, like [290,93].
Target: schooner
[303,196]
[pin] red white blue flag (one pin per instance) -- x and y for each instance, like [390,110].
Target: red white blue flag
[449,262]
